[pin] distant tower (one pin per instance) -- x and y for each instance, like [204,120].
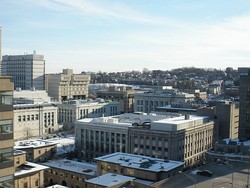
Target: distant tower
[26,71]
[244,128]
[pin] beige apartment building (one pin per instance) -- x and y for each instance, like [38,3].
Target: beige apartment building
[122,94]
[7,168]
[226,119]
[34,120]
[149,101]
[137,166]
[67,85]
[37,150]
[27,174]
[72,110]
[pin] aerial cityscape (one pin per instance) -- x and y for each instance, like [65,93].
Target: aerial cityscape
[124,94]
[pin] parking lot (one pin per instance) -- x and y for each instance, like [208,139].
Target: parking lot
[225,175]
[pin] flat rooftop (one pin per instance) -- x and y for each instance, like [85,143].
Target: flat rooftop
[140,162]
[110,179]
[127,119]
[57,186]
[179,123]
[73,166]
[25,144]
[27,168]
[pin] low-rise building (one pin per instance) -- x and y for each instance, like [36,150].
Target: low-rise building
[69,173]
[34,120]
[108,180]
[27,174]
[122,94]
[149,101]
[72,110]
[37,150]
[138,166]
[230,150]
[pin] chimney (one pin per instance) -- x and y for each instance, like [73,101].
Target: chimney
[187,116]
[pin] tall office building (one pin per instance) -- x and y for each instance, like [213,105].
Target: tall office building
[0,49]
[0,43]
[27,71]
[7,169]
[244,128]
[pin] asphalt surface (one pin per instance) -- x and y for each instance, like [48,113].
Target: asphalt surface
[225,175]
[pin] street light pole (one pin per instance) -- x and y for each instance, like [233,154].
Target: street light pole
[190,177]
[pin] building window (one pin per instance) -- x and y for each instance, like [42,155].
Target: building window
[6,98]
[36,183]
[6,127]
[19,118]
[25,185]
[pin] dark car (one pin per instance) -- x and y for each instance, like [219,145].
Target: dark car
[205,173]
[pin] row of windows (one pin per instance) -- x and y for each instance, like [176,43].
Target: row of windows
[28,117]
[156,103]
[34,117]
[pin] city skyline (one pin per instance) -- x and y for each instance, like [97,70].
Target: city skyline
[121,36]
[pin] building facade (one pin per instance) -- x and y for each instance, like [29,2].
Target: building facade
[122,94]
[244,128]
[183,138]
[7,169]
[146,134]
[27,174]
[69,173]
[72,110]
[34,120]
[228,119]
[67,85]
[100,136]
[37,150]
[149,101]
[26,71]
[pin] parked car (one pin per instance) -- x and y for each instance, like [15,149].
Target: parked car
[205,173]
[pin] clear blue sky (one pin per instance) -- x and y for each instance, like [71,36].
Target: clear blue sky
[123,35]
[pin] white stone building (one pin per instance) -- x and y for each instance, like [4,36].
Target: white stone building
[149,101]
[72,110]
[34,120]
[31,97]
